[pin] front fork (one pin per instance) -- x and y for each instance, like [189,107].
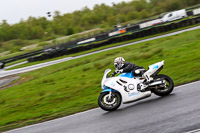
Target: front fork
[107,89]
[109,96]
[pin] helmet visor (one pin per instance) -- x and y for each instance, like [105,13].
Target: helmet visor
[118,65]
[115,64]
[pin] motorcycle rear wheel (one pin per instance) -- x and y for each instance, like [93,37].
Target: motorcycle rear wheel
[109,104]
[166,89]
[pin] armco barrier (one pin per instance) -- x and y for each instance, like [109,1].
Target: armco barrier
[138,34]
[133,28]
[21,56]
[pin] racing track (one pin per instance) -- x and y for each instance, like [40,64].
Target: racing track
[176,113]
[34,67]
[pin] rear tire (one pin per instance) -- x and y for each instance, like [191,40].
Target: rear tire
[165,90]
[109,105]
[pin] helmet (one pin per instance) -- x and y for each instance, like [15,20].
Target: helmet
[119,62]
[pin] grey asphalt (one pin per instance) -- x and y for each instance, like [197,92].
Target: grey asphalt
[7,80]
[4,73]
[177,113]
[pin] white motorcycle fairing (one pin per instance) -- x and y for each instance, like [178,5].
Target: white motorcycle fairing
[127,87]
[152,70]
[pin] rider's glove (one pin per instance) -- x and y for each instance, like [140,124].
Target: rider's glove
[118,71]
[113,74]
[137,71]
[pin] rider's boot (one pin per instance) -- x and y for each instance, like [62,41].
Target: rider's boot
[142,87]
[146,83]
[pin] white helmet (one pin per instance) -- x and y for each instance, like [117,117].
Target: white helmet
[119,62]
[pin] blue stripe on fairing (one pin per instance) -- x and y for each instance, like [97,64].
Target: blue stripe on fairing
[107,89]
[154,66]
[128,75]
[133,94]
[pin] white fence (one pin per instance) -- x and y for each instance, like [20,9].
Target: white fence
[86,41]
[149,23]
[196,11]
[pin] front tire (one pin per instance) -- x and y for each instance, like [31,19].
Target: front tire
[109,104]
[166,89]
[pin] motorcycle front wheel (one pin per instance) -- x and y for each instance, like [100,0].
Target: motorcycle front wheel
[109,104]
[165,89]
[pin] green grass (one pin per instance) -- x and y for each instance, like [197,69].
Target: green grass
[74,86]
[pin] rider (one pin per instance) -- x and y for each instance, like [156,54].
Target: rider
[125,67]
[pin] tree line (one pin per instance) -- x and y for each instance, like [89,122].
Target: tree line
[102,16]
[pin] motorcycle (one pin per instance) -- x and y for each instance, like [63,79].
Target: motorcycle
[126,87]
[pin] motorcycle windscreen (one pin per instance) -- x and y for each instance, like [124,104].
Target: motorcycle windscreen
[128,75]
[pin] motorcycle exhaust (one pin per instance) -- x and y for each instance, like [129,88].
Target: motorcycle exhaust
[157,83]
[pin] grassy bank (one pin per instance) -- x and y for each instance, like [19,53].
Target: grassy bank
[74,86]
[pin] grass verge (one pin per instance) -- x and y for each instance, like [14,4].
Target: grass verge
[73,86]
